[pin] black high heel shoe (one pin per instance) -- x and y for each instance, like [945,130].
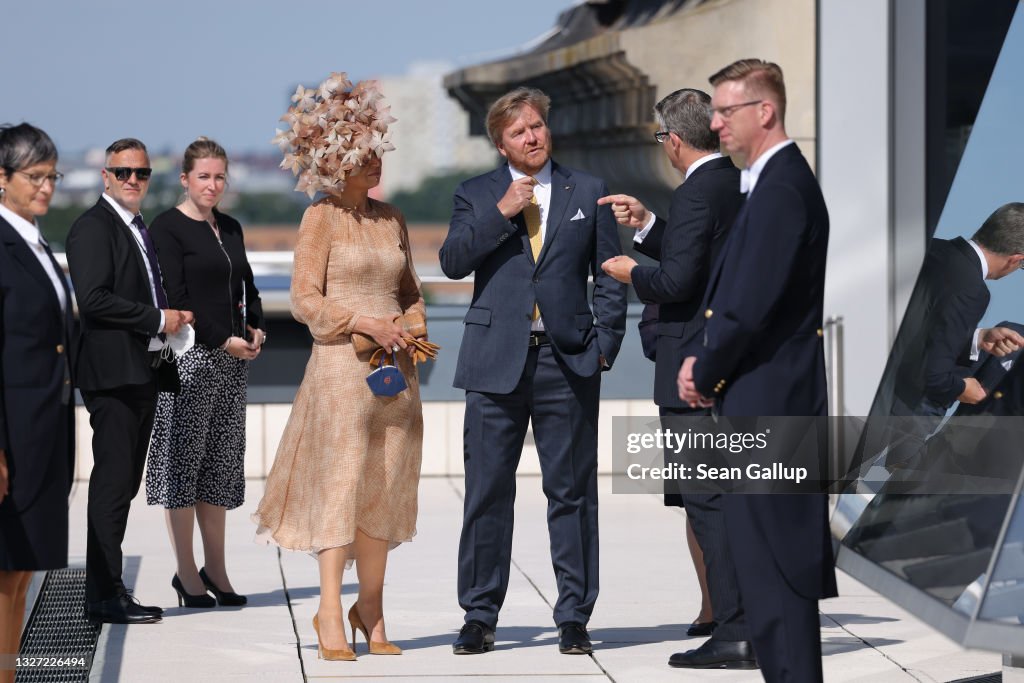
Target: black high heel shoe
[189,600]
[224,598]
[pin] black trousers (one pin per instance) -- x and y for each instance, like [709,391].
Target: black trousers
[704,511]
[121,419]
[784,625]
[563,409]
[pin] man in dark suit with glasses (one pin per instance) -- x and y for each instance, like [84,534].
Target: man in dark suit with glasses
[686,244]
[121,365]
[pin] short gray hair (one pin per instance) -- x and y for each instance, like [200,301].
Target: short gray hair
[123,145]
[1003,232]
[687,113]
[24,145]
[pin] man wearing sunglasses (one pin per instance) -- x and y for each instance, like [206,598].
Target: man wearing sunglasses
[125,320]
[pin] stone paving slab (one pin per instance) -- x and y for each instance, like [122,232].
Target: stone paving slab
[648,596]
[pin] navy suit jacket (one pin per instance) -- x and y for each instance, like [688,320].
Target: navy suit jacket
[762,351]
[1003,388]
[686,244]
[36,400]
[507,280]
[931,355]
[115,303]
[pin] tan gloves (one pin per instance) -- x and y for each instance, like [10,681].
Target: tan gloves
[415,325]
[422,350]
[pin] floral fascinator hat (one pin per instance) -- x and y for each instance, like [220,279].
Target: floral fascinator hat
[332,130]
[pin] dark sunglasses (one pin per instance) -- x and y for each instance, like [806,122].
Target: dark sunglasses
[123,173]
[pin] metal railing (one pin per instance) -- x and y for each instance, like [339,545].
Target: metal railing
[267,263]
[833,332]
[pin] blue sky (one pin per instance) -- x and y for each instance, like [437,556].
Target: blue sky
[989,173]
[166,72]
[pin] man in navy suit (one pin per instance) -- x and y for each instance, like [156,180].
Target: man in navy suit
[935,356]
[762,355]
[686,245]
[931,364]
[532,353]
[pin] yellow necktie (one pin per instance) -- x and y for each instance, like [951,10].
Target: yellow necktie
[531,214]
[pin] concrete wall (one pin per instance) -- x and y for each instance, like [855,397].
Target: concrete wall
[442,437]
[854,172]
[685,48]
[871,170]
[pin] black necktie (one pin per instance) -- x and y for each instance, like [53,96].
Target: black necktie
[65,394]
[154,263]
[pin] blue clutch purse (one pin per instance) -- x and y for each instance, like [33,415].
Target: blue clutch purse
[386,380]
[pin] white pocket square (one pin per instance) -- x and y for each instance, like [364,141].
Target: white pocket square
[579,215]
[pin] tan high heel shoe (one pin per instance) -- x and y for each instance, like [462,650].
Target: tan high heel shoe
[376,647]
[339,655]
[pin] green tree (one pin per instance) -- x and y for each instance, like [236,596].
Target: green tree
[431,202]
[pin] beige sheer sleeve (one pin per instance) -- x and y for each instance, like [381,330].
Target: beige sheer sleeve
[410,295]
[327,320]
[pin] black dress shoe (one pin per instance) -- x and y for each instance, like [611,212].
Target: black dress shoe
[224,598]
[475,638]
[573,639]
[699,629]
[717,654]
[152,609]
[122,609]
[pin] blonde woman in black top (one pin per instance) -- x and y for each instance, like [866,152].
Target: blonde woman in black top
[196,457]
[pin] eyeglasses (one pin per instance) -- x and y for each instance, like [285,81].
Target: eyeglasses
[661,135]
[37,179]
[123,173]
[726,112]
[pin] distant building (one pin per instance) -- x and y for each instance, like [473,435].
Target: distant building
[432,132]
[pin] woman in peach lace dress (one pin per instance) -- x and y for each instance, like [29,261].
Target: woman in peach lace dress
[344,482]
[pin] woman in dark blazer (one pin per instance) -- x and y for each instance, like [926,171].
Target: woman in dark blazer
[36,403]
[197,454]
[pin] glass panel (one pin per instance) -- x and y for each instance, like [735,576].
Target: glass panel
[962,46]
[939,479]
[1004,598]
[940,544]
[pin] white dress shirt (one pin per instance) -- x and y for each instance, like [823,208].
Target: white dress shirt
[155,344]
[975,351]
[641,234]
[749,176]
[34,239]
[542,191]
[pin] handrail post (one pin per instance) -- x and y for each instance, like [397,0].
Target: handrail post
[833,332]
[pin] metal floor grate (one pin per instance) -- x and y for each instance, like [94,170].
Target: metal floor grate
[988,678]
[59,630]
